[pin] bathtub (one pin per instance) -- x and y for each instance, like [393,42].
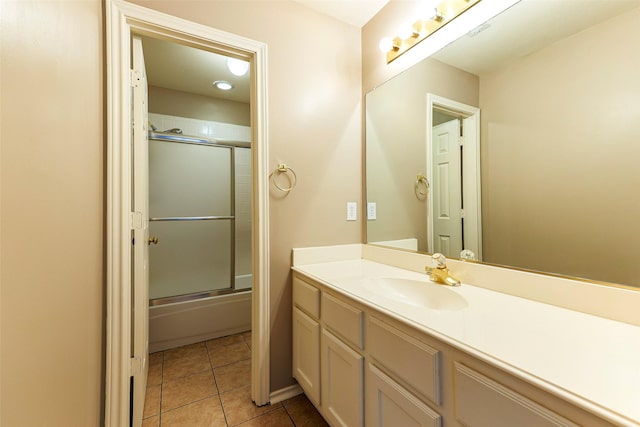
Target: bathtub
[187,322]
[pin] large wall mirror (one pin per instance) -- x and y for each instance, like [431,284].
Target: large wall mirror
[523,137]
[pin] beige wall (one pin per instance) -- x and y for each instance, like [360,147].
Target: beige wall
[560,165]
[396,114]
[182,104]
[52,210]
[52,188]
[314,101]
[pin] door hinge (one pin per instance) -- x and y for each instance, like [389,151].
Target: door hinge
[461,213]
[135,78]
[135,366]
[461,141]
[135,220]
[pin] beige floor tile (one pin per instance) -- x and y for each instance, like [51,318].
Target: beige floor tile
[156,357]
[181,391]
[232,376]
[151,422]
[238,406]
[277,418]
[219,342]
[303,413]
[177,367]
[155,369]
[152,401]
[246,336]
[187,351]
[204,413]
[224,355]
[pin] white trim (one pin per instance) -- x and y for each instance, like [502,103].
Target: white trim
[285,393]
[473,211]
[122,19]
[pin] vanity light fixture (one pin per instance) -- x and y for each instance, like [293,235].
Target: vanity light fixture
[434,15]
[222,85]
[387,44]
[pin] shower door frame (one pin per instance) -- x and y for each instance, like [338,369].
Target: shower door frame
[232,146]
[122,20]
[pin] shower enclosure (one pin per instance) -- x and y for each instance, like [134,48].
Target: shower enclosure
[200,212]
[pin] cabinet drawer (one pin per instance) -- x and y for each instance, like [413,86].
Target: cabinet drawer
[388,404]
[307,297]
[344,319]
[482,402]
[411,361]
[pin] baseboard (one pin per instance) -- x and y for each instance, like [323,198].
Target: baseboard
[285,393]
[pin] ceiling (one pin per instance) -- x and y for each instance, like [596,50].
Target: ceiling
[186,69]
[353,12]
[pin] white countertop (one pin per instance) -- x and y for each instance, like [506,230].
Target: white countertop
[589,361]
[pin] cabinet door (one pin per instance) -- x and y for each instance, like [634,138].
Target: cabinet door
[390,405]
[342,382]
[306,354]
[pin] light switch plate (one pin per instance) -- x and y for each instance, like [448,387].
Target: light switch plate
[371,210]
[352,211]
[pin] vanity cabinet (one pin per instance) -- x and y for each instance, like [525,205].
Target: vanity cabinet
[361,366]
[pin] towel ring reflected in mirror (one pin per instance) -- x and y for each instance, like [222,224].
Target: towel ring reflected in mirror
[291,176]
[421,187]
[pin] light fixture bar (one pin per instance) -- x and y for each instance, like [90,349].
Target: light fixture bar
[432,20]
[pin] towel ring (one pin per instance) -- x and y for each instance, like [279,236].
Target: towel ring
[421,187]
[291,176]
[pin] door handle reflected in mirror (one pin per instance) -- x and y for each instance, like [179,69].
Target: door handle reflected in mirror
[153,240]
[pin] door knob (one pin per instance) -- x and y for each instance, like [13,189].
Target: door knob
[153,240]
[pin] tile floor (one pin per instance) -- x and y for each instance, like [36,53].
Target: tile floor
[208,384]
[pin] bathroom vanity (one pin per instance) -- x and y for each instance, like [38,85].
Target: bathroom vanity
[379,345]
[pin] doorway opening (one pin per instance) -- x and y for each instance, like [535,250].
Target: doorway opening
[199,151]
[453,171]
[124,219]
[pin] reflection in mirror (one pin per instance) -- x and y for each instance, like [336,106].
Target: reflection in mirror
[559,97]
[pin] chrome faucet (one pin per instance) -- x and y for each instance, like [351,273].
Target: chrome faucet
[440,273]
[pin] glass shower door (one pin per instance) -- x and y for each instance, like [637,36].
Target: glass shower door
[191,193]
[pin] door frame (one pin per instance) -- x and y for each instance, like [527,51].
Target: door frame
[470,170]
[123,19]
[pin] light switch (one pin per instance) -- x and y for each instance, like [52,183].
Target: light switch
[371,210]
[352,211]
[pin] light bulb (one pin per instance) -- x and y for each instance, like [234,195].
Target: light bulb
[237,67]
[434,14]
[386,44]
[405,31]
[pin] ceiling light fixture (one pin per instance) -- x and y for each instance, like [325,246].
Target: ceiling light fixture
[238,67]
[222,85]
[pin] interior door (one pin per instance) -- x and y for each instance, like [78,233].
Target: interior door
[140,240]
[447,189]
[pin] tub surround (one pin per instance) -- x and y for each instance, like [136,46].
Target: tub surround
[575,340]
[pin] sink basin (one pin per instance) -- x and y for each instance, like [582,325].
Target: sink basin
[417,293]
